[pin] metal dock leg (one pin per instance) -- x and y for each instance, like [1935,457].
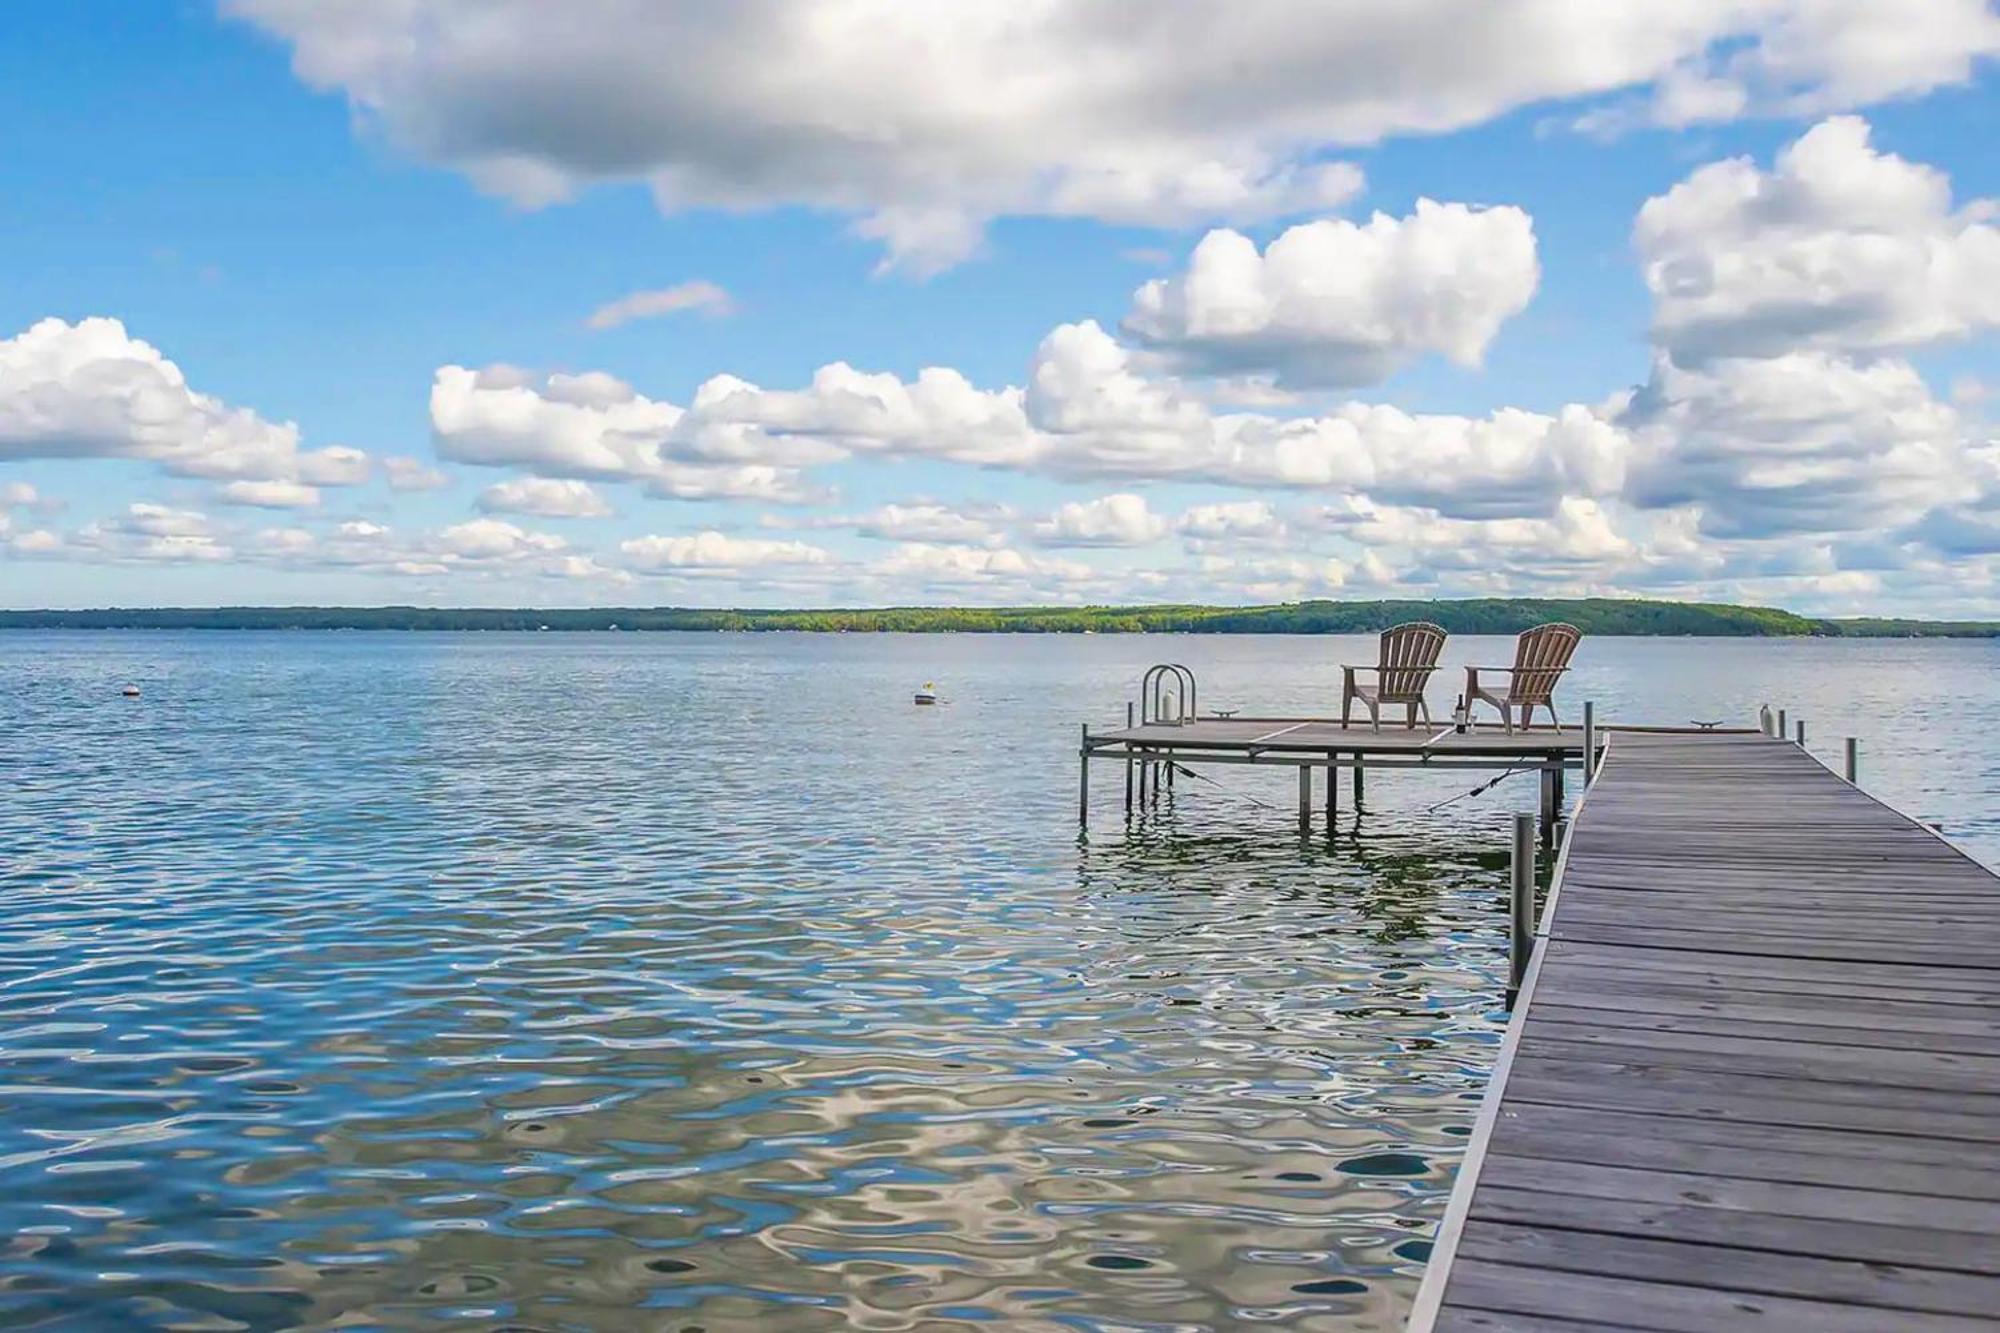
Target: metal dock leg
[1083,781]
[1548,819]
[1357,779]
[1853,760]
[1332,792]
[1589,742]
[1521,904]
[1128,759]
[1305,799]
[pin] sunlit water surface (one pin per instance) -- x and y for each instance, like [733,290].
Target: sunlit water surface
[702,982]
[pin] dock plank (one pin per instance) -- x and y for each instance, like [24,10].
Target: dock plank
[1753,1080]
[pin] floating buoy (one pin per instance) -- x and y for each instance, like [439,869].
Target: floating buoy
[130,691]
[928,694]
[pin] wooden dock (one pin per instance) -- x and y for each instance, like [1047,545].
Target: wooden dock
[1151,752]
[1753,1076]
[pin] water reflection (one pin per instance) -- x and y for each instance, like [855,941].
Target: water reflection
[394,981]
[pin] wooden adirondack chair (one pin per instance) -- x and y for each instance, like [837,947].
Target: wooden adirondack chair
[1541,655]
[1409,654]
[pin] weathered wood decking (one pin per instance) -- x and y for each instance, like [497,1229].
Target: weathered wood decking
[1753,1079]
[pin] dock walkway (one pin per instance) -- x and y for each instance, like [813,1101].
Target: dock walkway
[1753,1077]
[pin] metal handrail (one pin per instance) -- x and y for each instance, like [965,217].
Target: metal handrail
[1155,691]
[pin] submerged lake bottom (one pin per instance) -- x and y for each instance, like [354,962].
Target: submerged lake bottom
[702,982]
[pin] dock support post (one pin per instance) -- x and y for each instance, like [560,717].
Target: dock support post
[1800,726]
[1305,799]
[1332,792]
[1128,761]
[1853,760]
[1521,905]
[1548,820]
[1589,742]
[1784,727]
[1083,781]
[1357,780]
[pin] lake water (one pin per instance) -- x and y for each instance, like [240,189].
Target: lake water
[703,983]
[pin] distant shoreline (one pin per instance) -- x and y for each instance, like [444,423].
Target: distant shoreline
[1605,616]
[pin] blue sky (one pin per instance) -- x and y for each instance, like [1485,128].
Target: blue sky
[300,214]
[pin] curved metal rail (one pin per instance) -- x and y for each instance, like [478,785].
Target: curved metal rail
[1168,682]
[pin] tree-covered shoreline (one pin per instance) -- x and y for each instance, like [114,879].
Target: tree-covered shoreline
[1596,615]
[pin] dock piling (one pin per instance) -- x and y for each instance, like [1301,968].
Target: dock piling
[1548,805]
[1853,760]
[1521,904]
[1800,726]
[1306,798]
[1357,780]
[1083,781]
[1332,792]
[1128,761]
[1589,741]
[1784,728]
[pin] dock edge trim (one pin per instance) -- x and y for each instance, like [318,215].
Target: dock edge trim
[1444,1246]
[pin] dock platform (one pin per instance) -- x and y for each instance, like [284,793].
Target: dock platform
[1310,740]
[1152,753]
[1752,1079]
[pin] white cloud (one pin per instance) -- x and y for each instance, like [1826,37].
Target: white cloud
[546,496]
[1803,443]
[478,548]
[495,539]
[1579,532]
[413,474]
[1773,424]
[270,494]
[1828,55]
[18,495]
[1268,578]
[938,568]
[1838,247]
[715,552]
[566,425]
[699,295]
[1339,303]
[929,523]
[596,426]
[1238,520]
[141,533]
[917,521]
[1087,412]
[924,121]
[90,390]
[1101,417]
[939,414]
[1114,520]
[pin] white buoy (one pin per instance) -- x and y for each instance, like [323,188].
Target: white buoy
[928,694]
[130,691]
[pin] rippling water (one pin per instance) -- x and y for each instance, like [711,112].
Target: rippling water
[701,982]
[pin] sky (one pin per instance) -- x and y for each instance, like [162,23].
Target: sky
[642,302]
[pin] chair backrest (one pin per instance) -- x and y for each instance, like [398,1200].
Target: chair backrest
[1409,655]
[1541,655]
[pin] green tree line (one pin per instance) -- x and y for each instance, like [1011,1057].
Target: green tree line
[1485,615]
